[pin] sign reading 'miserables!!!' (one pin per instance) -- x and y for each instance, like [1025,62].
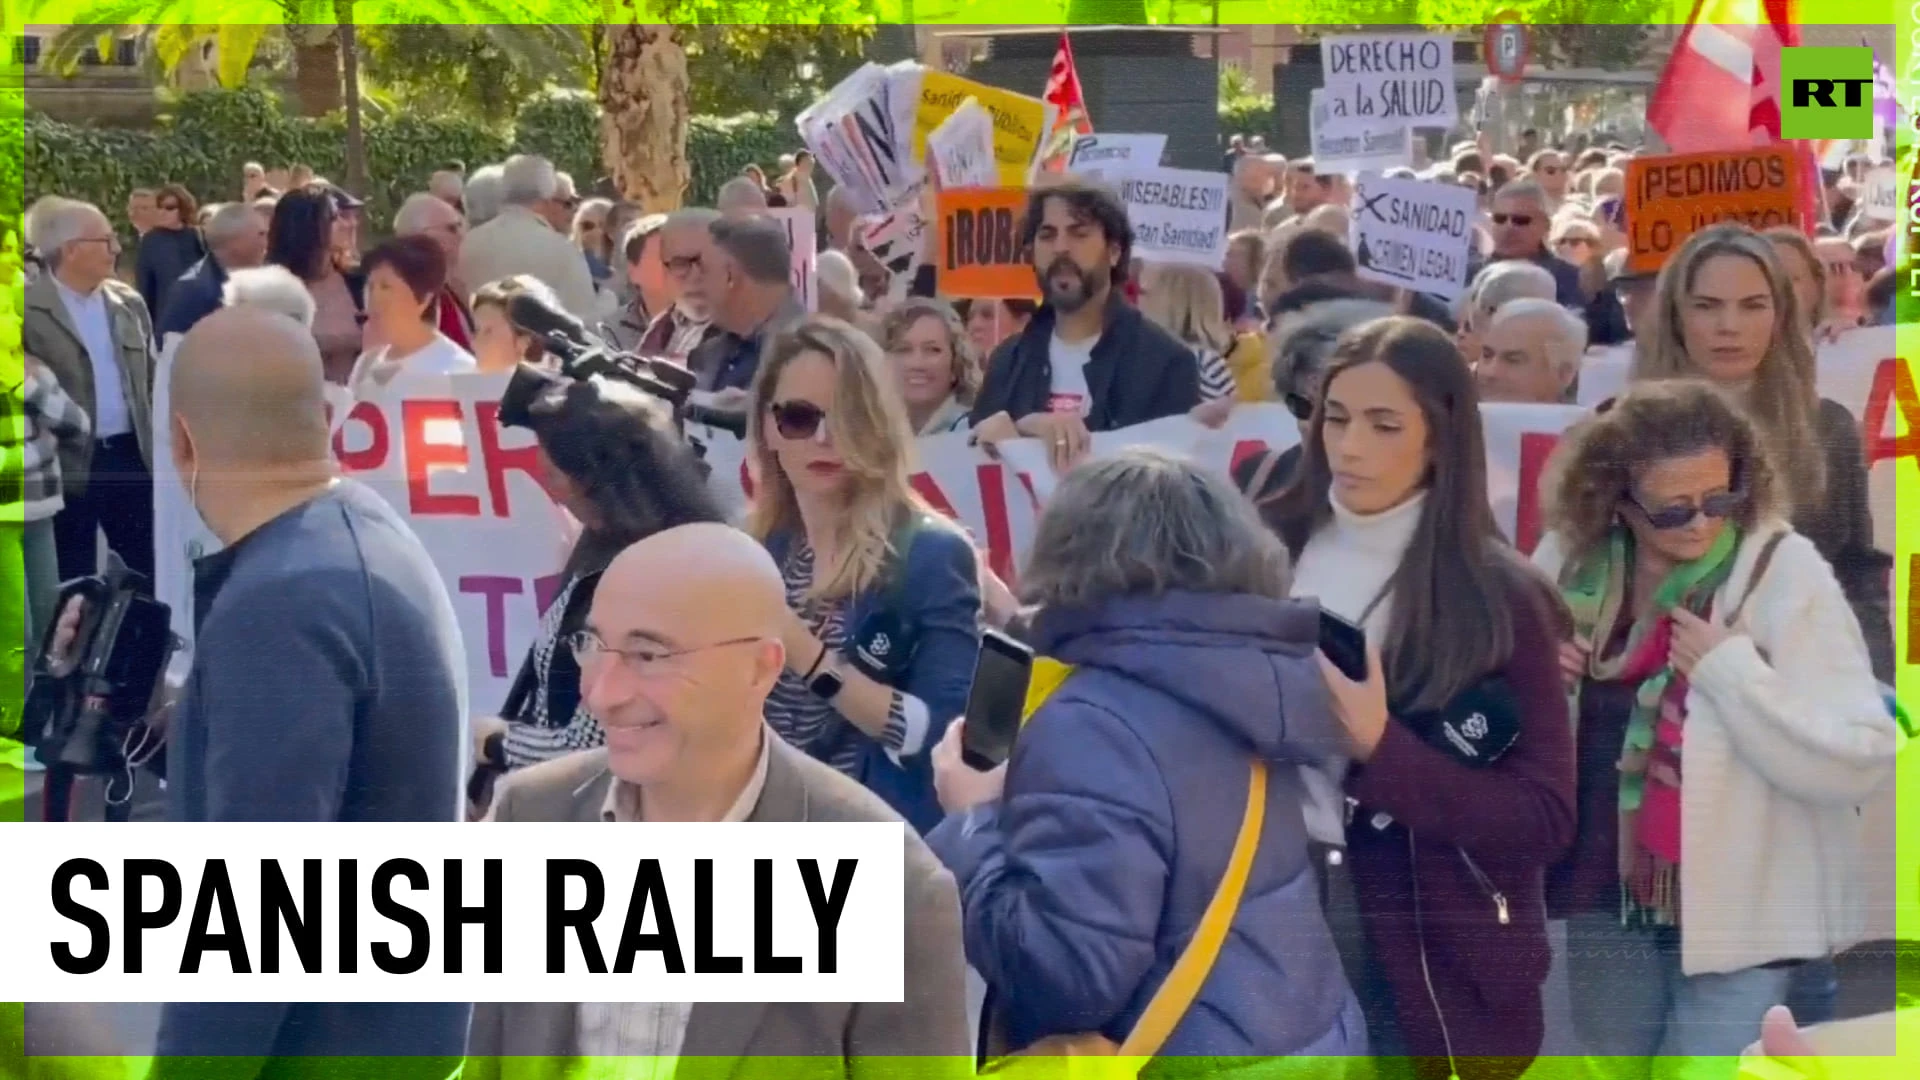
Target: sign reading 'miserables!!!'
[1670,198]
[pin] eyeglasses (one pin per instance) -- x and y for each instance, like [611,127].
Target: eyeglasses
[1518,220]
[1582,241]
[113,243]
[1722,506]
[797,420]
[683,264]
[588,649]
[1839,267]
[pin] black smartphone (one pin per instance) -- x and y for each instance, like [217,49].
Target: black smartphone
[998,698]
[1345,644]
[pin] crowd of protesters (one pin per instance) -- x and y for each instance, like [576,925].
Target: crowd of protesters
[1709,567]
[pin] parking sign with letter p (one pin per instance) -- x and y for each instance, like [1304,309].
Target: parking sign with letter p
[1827,93]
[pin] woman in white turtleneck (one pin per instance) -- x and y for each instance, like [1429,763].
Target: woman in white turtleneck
[1460,792]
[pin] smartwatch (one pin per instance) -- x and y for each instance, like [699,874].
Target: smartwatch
[825,683]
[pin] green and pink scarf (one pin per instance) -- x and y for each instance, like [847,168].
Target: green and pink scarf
[1595,588]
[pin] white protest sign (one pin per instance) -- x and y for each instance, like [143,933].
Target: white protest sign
[803,245]
[1103,154]
[960,150]
[1178,215]
[1362,146]
[1412,234]
[1378,78]
[897,237]
[1880,195]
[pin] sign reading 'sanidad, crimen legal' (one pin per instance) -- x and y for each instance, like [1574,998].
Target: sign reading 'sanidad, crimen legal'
[1671,198]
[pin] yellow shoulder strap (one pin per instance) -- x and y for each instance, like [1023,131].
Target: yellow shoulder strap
[1183,983]
[1042,680]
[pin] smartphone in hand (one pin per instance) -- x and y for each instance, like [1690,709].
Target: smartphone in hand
[998,699]
[1345,644]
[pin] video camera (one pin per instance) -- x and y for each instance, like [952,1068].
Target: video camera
[583,355]
[90,717]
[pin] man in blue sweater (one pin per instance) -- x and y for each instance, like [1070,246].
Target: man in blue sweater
[327,684]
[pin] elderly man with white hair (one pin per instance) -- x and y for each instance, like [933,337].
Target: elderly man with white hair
[95,335]
[1530,353]
[1495,285]
[427,214]
[236,240]
[523,239]
[483,194]
[741,197]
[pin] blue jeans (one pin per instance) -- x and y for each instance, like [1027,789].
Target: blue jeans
[1640,1017]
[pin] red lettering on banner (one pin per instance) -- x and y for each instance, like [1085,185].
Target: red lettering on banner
[546,590]
[1892,385]
[930,491]
[423,458]
[993,508]
[1535,448]
[1244,449]
[498,460]
[375,455]
[746,476]
[496,589]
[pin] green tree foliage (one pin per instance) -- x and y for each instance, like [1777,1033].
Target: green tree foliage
[211,134]
[741,68]
[477,73]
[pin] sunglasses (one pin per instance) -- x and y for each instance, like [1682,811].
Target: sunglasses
[1839,267]
[1584,241]
[797,420]
[1520,220]
[169,206]
[1300,405]
[1719,506]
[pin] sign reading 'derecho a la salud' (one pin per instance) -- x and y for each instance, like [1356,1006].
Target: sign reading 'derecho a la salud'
[1672,197]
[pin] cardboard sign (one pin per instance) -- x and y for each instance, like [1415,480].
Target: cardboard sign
[1412,234]
[1377,78]
[1880,195]
[1019,121]
[960,150]
[802,244]
[1363,145]
[1102,154]
[980,255]
[1670,198]
[1178,215]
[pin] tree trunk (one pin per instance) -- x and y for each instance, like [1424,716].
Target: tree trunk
[644,107]
[350,80]
[316,75]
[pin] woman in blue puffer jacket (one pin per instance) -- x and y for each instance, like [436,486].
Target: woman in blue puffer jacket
[1085,862]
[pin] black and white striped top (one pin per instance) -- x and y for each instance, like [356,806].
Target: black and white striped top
[541,737]
[1216,378]
[813,725]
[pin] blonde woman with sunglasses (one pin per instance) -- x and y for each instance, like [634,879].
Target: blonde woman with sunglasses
[884,592]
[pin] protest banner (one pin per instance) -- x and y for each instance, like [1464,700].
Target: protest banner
[1019,121]
[1880,195]
[1672,197]
[960,150]
[803,245]
[896,237]
[1412,234]
[980,254]
[861,133]
[1363,145]
[1178,215]
[1102,155]
[1376,78]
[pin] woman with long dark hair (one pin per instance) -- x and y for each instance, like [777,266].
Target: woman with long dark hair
[302,238]
[613,460]
[1436,840]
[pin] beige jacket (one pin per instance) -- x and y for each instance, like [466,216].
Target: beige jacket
[48,333]
[732,1041]
[519,242]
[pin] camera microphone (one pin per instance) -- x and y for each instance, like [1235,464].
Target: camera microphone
[734,423]
[531,315]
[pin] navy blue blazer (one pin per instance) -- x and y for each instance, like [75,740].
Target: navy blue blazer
[938,592]
[194,297]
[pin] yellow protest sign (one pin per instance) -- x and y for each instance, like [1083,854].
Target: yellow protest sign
[1019,121]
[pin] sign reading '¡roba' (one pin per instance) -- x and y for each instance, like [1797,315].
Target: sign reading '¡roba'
[983,255]
[1670,198]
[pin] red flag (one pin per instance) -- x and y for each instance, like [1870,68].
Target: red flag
[1069,110]
[1720,89]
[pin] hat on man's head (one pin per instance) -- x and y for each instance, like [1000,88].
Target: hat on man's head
[343,200]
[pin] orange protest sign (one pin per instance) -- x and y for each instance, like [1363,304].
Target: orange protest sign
[1670,198]
[980,255]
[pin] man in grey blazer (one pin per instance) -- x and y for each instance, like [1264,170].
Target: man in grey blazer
[682,646]
[94,333]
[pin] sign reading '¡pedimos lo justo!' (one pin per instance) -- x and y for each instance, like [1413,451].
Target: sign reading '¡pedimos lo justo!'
[1671,198]
[982,253]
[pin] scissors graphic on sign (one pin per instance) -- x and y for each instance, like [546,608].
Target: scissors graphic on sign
[1370,204]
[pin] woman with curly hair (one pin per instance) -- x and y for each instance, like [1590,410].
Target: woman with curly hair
[1727,726]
